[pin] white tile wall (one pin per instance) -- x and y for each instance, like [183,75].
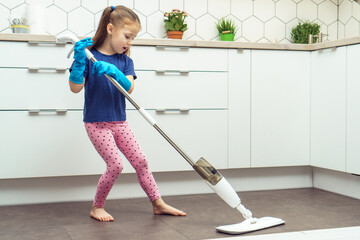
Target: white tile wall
[349,17]
[264,9]
[258,20]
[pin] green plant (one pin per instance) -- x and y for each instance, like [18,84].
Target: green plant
[300,33]
[226,25]
[175,20]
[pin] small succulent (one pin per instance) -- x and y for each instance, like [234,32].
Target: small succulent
[226,25]
[175,20]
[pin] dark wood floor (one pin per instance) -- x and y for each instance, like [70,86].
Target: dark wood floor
[302,209]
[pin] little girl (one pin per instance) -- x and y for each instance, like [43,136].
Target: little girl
[104,110]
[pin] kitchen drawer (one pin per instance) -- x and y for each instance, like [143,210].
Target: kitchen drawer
[43,89]
[46,144]
[162,90]
[179,58]
[200,133]
[24,54]
[56,144]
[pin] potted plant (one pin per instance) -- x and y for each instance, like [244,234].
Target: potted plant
[175,23]
[19,25]
[227,29]
[300,33]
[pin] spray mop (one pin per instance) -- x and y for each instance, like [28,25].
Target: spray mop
[211,176]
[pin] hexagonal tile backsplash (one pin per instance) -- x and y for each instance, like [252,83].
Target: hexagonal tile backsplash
[258,20]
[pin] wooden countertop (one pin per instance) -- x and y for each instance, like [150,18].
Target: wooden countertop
[198,43]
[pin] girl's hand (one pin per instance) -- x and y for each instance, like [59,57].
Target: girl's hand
[101,68]
[77,72]
[79,53]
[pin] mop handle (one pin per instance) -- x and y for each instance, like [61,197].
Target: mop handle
[143,112]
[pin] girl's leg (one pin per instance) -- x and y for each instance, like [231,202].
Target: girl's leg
[127,143]
[103,140]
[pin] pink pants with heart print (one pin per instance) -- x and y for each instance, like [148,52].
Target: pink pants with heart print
[108,138]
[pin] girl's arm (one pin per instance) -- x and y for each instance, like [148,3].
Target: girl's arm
[131,79]
[75,87]
[76,79]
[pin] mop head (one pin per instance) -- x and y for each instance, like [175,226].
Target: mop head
[250,225]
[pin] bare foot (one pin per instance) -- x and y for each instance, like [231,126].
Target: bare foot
[100,214]
[161,208]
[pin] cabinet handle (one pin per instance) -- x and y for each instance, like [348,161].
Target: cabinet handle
[164,48]
[164,110]
[46,42]
[37,111]
[37,69]
[172,71]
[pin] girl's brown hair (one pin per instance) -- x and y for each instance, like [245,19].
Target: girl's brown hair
[118,16]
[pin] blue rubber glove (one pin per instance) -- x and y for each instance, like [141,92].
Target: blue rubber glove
[77,72]
[101,68]
[79,53]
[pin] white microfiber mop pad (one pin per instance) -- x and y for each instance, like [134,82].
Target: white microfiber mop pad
[250,225]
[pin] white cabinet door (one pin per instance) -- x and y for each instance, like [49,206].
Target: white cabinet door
[280,107]
[239,108]
[328,108]
[179,58]
[52,144]
[353,110]
[44,89]
[200,133]
[195,90]
[43,55]
[45,144]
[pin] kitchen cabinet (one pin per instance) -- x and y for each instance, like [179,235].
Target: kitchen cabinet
[33,55]
[185,89]
[42,128]
[41,120]
[328,108]
[239,108]
[175,90]
[353,110]
[37,89]
[169,58]
[50,143]
[200,133]
[280,107]
[45,143]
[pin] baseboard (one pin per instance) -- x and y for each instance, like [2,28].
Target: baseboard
[82,188]
[338,182]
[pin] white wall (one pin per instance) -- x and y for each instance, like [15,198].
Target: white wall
[258,20]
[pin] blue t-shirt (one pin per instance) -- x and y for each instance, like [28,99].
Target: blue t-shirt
[103,101]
